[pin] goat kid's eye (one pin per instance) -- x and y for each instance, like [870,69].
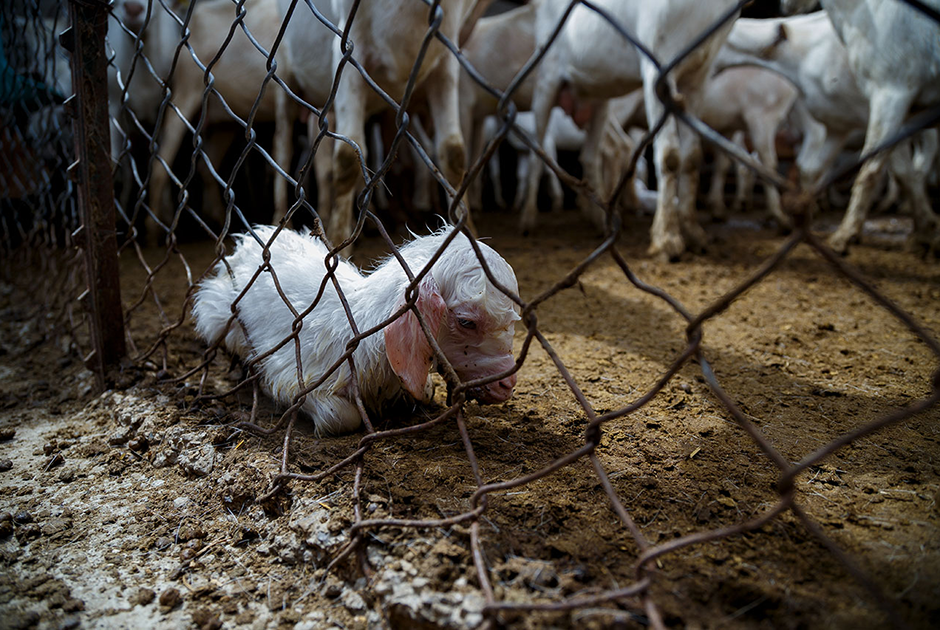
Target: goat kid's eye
[469,324]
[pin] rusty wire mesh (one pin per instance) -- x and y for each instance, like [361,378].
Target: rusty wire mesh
[139,217]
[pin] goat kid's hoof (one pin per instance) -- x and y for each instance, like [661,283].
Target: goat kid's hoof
[669,250]
[839,243]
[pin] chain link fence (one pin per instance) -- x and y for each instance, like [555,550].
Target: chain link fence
[38,198]
[169,85]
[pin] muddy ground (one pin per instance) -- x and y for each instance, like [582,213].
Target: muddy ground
[134,509]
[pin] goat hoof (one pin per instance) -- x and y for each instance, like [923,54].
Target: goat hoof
[669,250]
[839,243]
[526,228]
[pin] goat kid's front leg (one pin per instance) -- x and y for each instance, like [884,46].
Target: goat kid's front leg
[322,170]
[448,138]
[349,106]
[543,98]
[764,138]
[593,165]
[691,155]
[283,149]
[666,239]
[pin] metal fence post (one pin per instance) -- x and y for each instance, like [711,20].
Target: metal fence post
[92,168]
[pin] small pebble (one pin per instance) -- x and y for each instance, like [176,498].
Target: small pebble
[73,605]
[190,532]
[205,619]
[28,531]
[163,542]
[170,599]
[7,434]
[50,447]
[54,461]
[6,528]
[6,464]
[118,439]
[143,597]
[23,517]
[332,589]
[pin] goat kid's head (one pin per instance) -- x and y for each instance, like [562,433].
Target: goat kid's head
[471,320]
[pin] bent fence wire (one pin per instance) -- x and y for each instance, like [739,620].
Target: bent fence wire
[138,132]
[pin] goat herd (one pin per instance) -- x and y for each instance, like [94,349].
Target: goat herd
[829,83]
[857,69]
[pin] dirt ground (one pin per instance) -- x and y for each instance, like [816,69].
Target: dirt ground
[134,509]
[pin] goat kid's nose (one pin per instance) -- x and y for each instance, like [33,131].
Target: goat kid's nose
[507,383]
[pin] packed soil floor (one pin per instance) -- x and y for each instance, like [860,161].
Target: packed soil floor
[137,508]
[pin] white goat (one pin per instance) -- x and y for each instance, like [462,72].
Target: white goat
[499,47]
[134,84]
[590,62]
[806,51]
[387,35]
[755,101]
[237,77]
[892,49]
[470,319]
[134,88]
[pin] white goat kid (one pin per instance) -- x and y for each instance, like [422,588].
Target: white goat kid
[591,62]
[755,101]
[387,35]
[806,51]
[470,319]
[893,50]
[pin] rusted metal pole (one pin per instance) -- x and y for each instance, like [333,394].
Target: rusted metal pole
[92,171]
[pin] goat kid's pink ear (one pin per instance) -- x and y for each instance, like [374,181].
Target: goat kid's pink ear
[406,345]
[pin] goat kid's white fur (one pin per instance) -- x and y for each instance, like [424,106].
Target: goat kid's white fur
[471,320]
